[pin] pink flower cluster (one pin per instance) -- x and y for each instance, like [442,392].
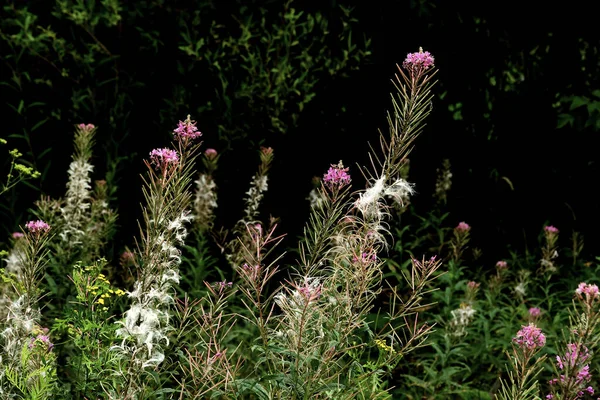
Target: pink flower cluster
[37,227]
[472,285]
[463,227]
[211,154]
[162,158]
[573,356]
[501,265]
[421,60]
[42,339]
[580,394]
[590,291]
[267,151]
[86,127]
[336,177]
[530,337]
[186,130]
[574,359]
[551,229]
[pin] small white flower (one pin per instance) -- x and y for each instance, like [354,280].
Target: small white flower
[520,289]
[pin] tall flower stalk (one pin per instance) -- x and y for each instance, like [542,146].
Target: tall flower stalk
[522,384]
[27,366]
[233,249]
[572,369]
[323,310]
[146,324]
[82,220]
[79,188]
[549,251]
[205,197]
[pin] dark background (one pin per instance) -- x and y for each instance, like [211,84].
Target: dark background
[510,65]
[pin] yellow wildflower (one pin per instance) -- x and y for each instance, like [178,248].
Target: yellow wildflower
[383,346]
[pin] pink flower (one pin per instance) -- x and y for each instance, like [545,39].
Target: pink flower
[336,177]
[550,229]
[162,158]
[584,374]
[535,312]
[472,285]
[575,357]
[590,292]
[573,354]
[584,288]
[211,154]
[530,337]
[501,265]
[127,258]
[559,362]
[17,235]
[267,151]
[42,339]
[86,127]
[420,60]
[186,130]
[37,227]
[463,227]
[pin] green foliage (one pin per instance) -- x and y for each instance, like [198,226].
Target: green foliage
[268,63]
[476,322]
[249,69]
[35,379]
[87,330]
[580,112]
[17,172]
[61,51]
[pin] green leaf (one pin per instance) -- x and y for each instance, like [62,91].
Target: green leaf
[578,101]
[564,119]
[39,124]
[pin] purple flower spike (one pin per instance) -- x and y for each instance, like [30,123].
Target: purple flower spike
[186,130]
[530,337]
[336,177]
[37,227]
[421,60]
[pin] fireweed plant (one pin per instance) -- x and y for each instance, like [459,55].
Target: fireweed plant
[70,332]
[485,312]
[315,335]
[352,318]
